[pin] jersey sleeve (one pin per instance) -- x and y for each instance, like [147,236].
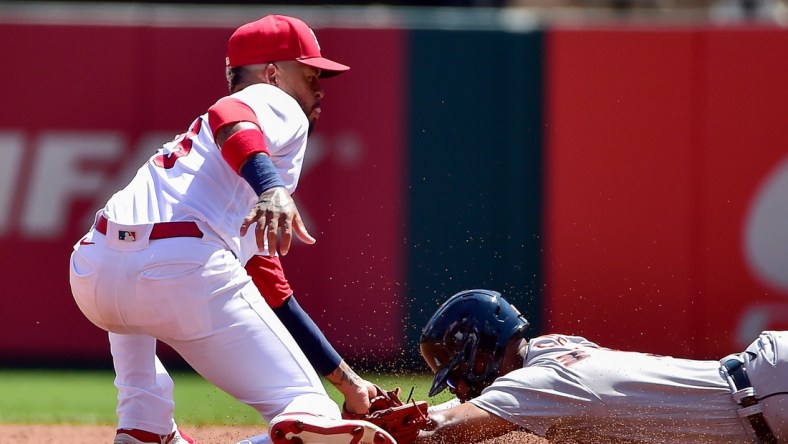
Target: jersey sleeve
[537,397]
[229,111]
[284,125]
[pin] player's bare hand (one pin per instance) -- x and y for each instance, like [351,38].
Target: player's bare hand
[358,395]
[276,210]
[357,391]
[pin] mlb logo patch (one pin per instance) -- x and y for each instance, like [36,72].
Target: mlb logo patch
[127,236]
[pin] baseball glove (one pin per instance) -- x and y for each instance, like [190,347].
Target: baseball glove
[403,420]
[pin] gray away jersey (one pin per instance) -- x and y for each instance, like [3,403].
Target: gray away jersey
[571,384]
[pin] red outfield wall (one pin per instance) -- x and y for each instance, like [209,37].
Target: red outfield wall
[665,179]
[666,217]
[83,106]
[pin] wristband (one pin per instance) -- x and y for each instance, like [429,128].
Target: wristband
[261,173]
[241,145]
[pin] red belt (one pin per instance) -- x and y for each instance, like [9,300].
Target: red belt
[160,230]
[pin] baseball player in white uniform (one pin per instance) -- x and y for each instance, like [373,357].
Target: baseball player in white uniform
[567,388]
[171,256]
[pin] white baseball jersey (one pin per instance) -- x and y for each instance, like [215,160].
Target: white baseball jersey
[188,179]
[574,386]
[193,293]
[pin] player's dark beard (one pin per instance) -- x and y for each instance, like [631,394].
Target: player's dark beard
[312,122]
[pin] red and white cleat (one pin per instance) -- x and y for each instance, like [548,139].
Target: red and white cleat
[303,428]
[184,438]
[136,436]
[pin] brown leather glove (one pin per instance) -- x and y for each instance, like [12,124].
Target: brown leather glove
[402,420]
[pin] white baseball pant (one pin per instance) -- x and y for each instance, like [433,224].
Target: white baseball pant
[195,296]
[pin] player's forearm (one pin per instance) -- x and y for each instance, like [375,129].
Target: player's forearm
[320,353]
[344,378]
[323,357]
[463,423]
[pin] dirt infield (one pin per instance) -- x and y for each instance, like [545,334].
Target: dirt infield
[86,434]
[82,434]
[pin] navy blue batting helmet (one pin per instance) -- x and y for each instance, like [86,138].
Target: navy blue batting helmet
[466,338]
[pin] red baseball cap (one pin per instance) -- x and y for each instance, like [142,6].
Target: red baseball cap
[276,38]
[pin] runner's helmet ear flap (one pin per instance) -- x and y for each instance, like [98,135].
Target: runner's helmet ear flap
[466,338]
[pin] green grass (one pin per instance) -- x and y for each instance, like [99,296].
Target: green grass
[89,397]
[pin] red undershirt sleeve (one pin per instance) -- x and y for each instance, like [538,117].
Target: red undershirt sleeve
[267,274]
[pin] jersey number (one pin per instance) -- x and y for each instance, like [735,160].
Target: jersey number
[573,357]
[182,148]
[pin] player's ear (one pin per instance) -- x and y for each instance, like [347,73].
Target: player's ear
[271,74]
